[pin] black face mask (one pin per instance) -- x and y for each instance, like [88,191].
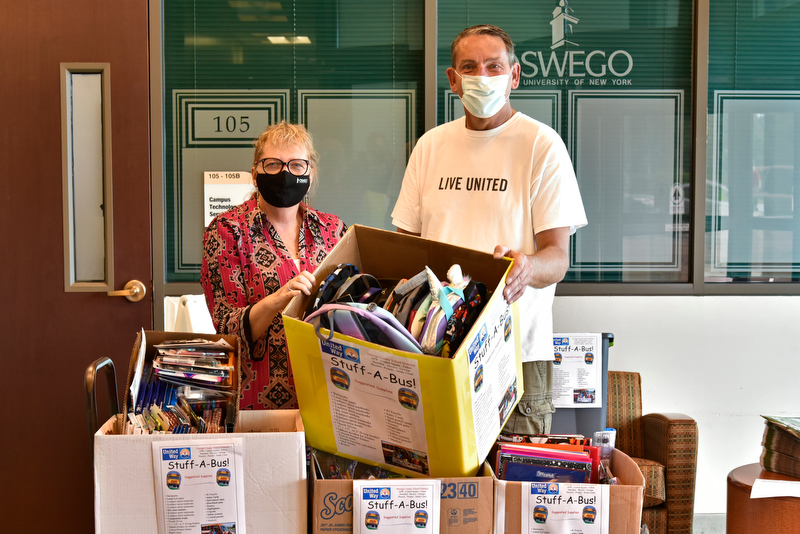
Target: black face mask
[283,189]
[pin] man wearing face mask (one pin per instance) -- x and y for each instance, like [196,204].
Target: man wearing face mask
[260,254]
[499,181]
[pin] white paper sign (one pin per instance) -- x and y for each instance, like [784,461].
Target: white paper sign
[577,371]
[552,508]
[224,190]
[376,405]
[764,488]
[396,506]
[493,373]
[199,486]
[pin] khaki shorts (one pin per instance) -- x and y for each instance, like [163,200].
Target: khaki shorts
[534,413]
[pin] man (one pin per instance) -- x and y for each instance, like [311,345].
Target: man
[498,176]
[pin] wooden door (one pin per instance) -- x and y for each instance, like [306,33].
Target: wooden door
[51,336]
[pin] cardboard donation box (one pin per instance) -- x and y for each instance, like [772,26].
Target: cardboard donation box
[274,468]
[415,414]
[624,510]
[467,504]
[267,471]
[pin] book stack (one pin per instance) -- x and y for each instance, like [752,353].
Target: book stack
[187,387]
[781,445]
[546,462]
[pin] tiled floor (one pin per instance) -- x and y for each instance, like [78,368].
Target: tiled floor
[709,524]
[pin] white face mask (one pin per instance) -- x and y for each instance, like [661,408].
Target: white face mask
[484,95]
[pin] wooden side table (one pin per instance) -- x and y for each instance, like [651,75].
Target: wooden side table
[746,515]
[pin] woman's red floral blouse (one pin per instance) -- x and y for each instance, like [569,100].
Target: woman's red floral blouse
[245,260]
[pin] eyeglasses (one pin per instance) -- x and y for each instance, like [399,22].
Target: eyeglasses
[296,167]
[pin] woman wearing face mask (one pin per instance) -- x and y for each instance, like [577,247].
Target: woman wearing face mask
[260,254]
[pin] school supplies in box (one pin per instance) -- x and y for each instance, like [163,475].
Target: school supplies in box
[420,314]
[529,445]
[544,462]
[364,321]
[334,467]
[180,383]
[573,439]
[521,462]
[533,469]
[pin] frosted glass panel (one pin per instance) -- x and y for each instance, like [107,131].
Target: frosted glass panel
[627,148]
[85,176]
[214,131]
[752,193]
[363,139]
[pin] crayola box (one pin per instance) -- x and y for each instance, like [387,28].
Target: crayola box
[415,414]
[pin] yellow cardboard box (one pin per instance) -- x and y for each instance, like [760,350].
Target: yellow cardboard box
[416,414]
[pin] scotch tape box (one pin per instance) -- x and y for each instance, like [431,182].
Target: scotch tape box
[416,414]
[274,474]
[625,500]
[467,505]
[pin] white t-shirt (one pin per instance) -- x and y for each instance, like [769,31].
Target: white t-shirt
[479,189]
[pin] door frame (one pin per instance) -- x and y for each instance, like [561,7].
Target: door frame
[161,288]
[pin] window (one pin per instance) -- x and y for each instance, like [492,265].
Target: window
[754,131]
[351,71]
[679,201]
[614,79]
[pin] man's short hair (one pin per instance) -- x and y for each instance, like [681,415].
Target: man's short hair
[484,29]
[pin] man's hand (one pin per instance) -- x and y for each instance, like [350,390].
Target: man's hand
[520,275]
[546,266]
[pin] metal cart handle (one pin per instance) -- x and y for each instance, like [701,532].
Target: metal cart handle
[91,395]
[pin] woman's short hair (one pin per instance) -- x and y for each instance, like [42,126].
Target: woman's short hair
[284,135]
[484,29]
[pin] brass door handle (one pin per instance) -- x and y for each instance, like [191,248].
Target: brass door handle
[134,291]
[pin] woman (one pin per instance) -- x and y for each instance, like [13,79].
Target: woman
[260,254]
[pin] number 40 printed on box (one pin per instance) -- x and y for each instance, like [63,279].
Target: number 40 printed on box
[396,506]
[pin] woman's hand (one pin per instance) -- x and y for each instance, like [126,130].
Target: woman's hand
[302,283]
[264,311]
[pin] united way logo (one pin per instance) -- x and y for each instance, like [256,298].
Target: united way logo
[562,24]
[376,493]
[175,453]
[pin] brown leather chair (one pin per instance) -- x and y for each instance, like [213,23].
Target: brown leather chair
[664,445]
